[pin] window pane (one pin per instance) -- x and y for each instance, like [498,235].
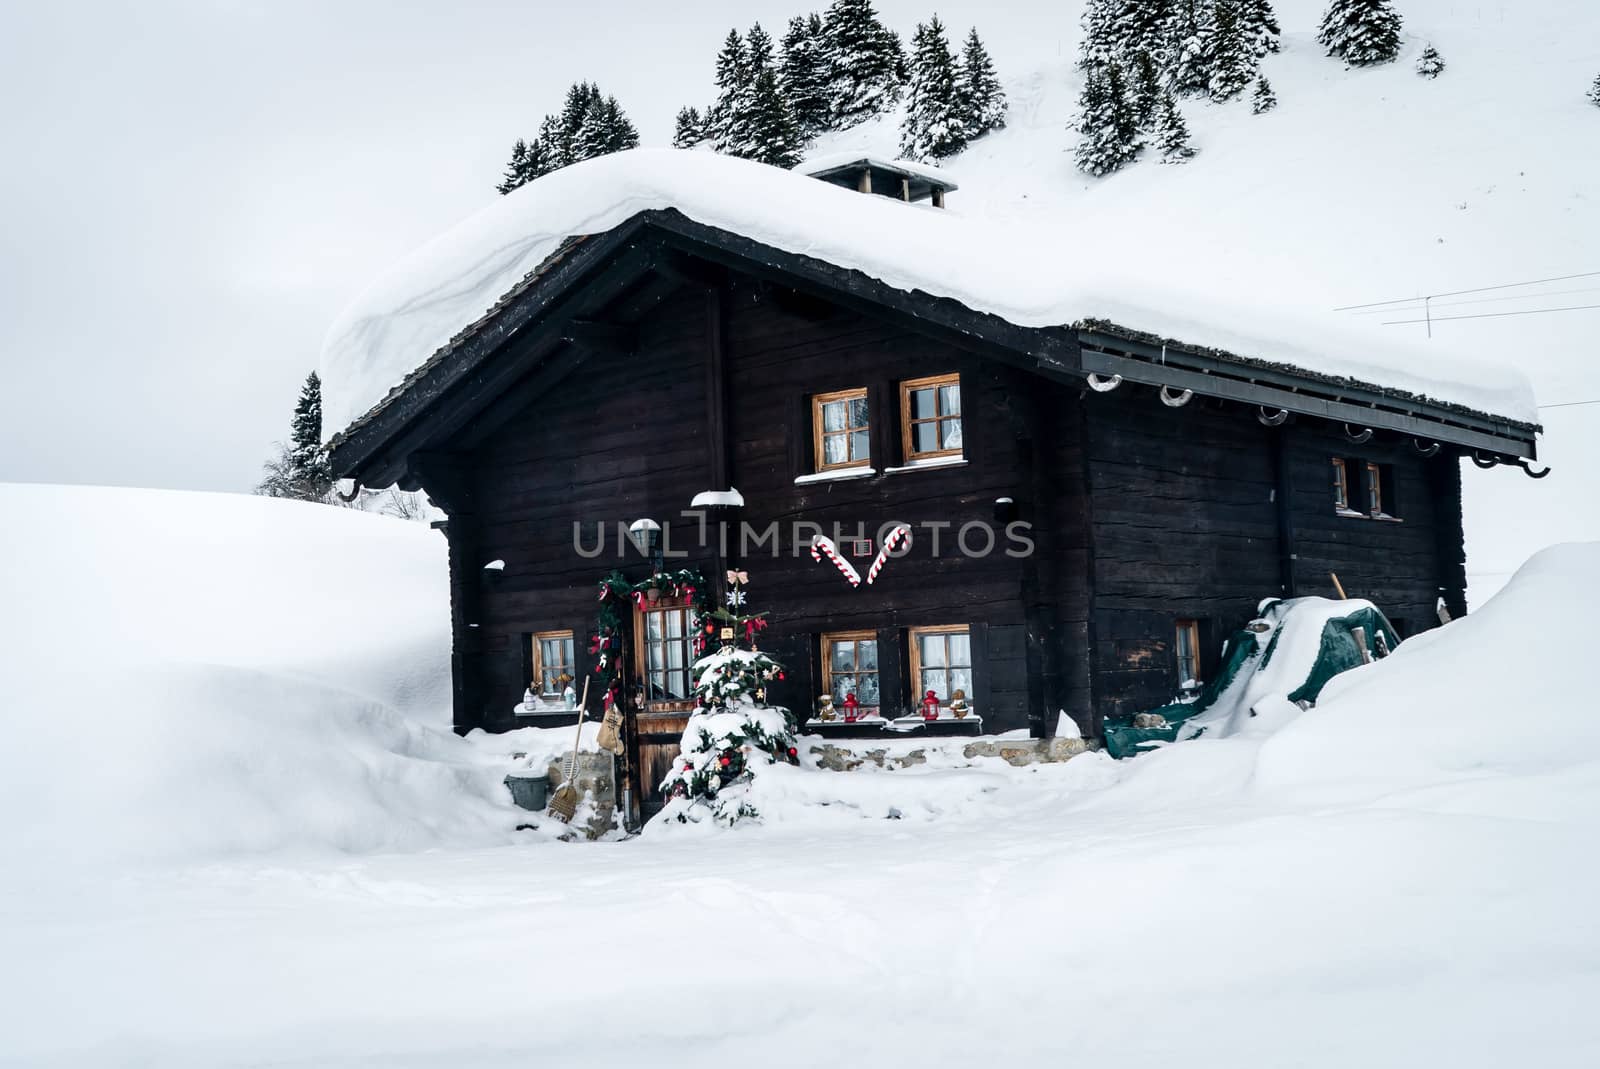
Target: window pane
[652,626]
[844,656]
[922,404]
[833,416]
[950,434]
[675,658]
[834,448]
[961,650]
[867,654]
[653,656]
[931,680]
[859,449]
[867,692]
[932,647]
[924,437]
[960,679]
[675,623]
[950,400]
[677,686]
[858,412]
[567,660]
[843,686]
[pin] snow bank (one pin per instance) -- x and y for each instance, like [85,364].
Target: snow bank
[1038,274]
[186,676]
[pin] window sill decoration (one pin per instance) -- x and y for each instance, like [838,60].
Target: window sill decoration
[836,475]
[545,705]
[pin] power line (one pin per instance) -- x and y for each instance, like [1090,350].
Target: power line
[1493,300]
[1463,293]
[1490,315]
[1570,404]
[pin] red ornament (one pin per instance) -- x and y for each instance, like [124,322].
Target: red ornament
[726,761]
[688,768]
[793,752]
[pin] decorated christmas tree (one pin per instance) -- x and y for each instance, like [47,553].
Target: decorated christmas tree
[733,736]
[1361,32]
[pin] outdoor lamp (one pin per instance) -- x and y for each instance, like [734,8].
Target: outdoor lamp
[645,534]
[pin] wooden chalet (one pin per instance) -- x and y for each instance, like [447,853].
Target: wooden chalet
[1167,488]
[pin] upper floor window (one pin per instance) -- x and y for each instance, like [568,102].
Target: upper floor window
[662,640]
[930,417]
[553,664]
[1188,651]
[1364,488]
[941,661]
[1341,485]
[850,666]
[1374,488]
[840,429]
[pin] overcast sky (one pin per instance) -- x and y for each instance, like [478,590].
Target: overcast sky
[193,190]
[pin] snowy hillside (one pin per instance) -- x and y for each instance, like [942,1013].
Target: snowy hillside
[236,829]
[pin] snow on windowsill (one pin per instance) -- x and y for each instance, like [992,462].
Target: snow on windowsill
[835,475]
[1382,517]
[923,465]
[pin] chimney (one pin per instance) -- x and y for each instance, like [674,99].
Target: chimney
[900,180]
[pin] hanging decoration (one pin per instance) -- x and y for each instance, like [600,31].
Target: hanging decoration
[822,546]
[890,543]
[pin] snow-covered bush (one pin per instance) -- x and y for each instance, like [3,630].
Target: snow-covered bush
[1594,92]
[1430,64]
[1361,32]
[730,738]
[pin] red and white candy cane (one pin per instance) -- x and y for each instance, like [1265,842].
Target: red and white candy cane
[890,541]
[822,544]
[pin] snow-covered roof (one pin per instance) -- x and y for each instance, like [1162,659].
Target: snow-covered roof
[1036,275]
[835,161]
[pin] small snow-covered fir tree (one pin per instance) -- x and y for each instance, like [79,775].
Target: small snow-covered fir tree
[604,130]
[803,77]
[770,129]
[689,129]
[1146,88]
[934,126]
[1430,64]
[1361,32]
[1171,132]
[725,120]
[865,63]
[733,736]
[1108,127]
[1263,99]
[300,469]
[1260,26]
[978,92]
[1233,59]
[560,131]
[1189,48]
[516,171]
[1594,92]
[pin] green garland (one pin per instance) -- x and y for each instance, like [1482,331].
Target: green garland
[615,592]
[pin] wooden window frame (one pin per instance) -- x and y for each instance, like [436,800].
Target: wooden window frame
[1190,627]
[819,451]
[1373,488]
[641,652]
[535,640]
[914,650]
[1341,485]
[908,452]
[828,639]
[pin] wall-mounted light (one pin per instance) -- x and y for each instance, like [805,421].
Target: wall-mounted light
[645,534]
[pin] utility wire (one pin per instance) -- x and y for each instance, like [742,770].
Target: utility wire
[1490,315]
[1463,293]
[1570,404]
[1490,300]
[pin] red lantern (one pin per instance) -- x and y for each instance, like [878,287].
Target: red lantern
[852,708]
[930,706]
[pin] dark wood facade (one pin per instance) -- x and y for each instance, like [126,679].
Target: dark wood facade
[598,394]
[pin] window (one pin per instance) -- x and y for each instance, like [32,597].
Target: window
[1188,650]
[662,641]
[1374,488]
[553,665]
[850,666]
[941,661]
[930,417]
[839,427]
[1341,485]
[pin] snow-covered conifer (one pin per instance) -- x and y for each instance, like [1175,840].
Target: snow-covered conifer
[1430,64]
[803,77]
[1147,89]
[689,129]
[300,469]
[864,60]
[1233,59]
[605,129]
[726,118]
[770,127]
[1189,47]
[1171,132]
[1263,99]
[935,127]
[1260,25]
[1142,26]
[516,170]
[1101,43]
[1108,128]
[1594,92]
[1361,32]
[978,93]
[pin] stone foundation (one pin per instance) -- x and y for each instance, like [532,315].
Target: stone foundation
[596,781]
[841,757]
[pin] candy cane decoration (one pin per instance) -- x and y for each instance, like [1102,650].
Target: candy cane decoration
[823,544]
[893,539]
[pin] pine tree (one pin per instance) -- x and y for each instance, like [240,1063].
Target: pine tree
[771,130]
[865,63]
[726,123]
[802,77]
[1171,132]
[562,135]
[935,127]
[1594,92]
[1142,26]
[300,470]
[1107,125]
[689,129]
[516,170]
[603,130]
[1147,89]
[1102,43]
[1233,59]
[1189,47]
[1263,99]
[981,100]
[1430,64]
[1260,25]
[1361,32]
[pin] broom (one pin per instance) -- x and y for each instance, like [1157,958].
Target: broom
[564,803]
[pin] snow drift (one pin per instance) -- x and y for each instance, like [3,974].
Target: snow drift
[187,675]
